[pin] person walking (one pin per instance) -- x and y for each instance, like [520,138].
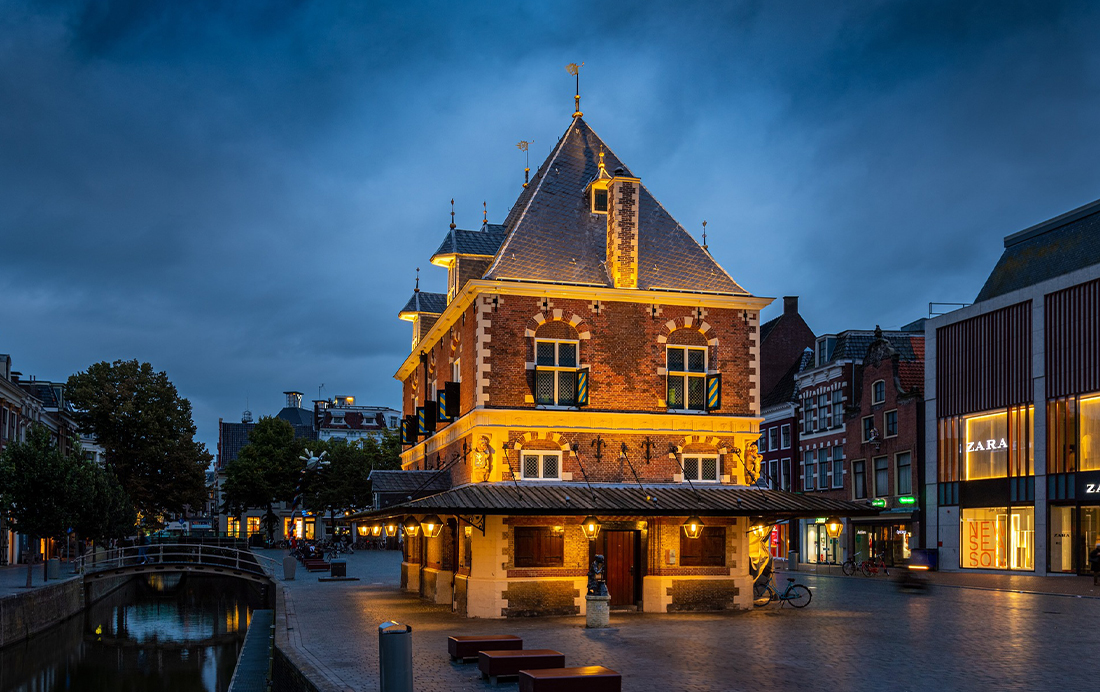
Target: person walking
[1094,563]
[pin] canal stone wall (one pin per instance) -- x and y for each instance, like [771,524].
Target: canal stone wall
[25,614]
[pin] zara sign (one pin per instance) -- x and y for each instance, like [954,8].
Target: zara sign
[1088,484]
[986,445]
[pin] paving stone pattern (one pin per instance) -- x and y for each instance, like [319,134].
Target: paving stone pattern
[857,634]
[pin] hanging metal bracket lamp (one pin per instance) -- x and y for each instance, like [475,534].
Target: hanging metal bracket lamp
[591,527]
[693,527]
[432,525]
[376,529]
[410,525]
[833,527]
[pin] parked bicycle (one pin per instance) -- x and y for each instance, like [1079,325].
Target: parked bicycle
[797,595]
[867,568]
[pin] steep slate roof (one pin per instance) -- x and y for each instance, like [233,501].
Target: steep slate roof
[484,242]
[677,500]
[296,416]
[767,327]
[785,390]
[425,302]
[554,237]
[853,345]
[1059,246]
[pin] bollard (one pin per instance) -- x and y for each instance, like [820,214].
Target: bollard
[290,565]
[395,657]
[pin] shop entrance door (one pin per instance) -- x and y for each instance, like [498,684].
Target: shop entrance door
[1089,524]
[620,549]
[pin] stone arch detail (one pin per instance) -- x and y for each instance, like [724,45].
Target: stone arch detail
[700,326]
[584,331]
[716,442]
[553,438]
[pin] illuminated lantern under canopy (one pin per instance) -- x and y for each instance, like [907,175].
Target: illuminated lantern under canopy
[432,525]
[693,527]
[833,527]
[410,525]
[391,528]
[376,529]
[591,527]
[362,530]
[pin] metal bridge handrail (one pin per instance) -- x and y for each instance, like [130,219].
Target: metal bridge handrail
[175,554]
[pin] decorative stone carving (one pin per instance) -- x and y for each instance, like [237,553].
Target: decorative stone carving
[483,460]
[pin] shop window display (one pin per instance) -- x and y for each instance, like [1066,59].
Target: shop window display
[998,538]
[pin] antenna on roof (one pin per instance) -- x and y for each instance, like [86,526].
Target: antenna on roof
[575,70]
[523,146]
[417,288]
[452,213]
[705,236]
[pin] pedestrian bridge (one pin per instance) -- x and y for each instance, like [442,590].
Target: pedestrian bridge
[177,558]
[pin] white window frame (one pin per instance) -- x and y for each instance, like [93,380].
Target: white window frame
[867,490]
[886,423]
[874,393]
[838,466]
[557,369]
[773,438]
[863,427]
[785,474]
[824,469]
[838,408]
[543,455]
[592,199]
[808,467]
[456,370]
[785,436]
[687,375]
[881,492]
[898,475]
[698,458]
[825,411]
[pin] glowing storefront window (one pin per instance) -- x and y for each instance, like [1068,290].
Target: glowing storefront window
[253,526]
[1089,420]
[998,538]
[233,528]
[985,448]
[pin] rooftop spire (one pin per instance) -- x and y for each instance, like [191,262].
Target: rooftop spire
[575,70]
[705,236]
[485,213]
[523,146]
[452,214]
[416,289]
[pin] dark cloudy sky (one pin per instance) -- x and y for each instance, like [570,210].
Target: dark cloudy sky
[240,192]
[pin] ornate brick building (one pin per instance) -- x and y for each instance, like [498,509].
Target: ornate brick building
[588,384]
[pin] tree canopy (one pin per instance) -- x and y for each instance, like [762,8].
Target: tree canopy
[265,471]
[147,433]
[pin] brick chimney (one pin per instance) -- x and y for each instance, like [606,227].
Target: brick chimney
[790,305]
[622,230]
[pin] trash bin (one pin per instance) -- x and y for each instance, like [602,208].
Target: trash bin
[792,560]
[395,657]
[53,568]
[290,566]
[338,568]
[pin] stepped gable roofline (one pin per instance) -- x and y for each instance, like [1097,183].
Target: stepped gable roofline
[480,243]
[1047,250]
[553,237]
[424,302]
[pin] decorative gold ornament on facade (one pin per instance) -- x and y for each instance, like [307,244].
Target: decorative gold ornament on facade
[483,460]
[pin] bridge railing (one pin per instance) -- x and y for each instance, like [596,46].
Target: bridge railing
[176,554]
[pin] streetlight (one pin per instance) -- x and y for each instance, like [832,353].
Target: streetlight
[833,527]
[432,525]
[411,526]
[591,527]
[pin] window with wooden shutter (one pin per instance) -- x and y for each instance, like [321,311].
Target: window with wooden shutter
[538,546]
[708,550]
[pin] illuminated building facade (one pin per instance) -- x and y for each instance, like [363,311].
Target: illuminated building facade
[589,384]
[1013,414]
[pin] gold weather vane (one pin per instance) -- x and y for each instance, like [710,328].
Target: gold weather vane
[523,145]
[452,213]
[705,236]
[575,70]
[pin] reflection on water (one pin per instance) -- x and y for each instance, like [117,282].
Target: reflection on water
[170,633]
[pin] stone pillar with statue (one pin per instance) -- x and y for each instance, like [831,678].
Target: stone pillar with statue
[597,600]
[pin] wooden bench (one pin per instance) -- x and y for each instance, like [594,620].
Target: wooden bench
[461,648]
[508,663]
[583,679]
[315,565]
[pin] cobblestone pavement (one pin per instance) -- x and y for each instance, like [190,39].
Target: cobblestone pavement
[857,634]
[13,578]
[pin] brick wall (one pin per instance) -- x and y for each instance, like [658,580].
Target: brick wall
[535,598]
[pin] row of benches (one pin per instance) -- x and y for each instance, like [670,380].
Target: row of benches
[539,670]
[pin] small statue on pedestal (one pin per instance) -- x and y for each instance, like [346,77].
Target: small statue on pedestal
[597,577]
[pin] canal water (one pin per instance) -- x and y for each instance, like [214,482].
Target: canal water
[158,633]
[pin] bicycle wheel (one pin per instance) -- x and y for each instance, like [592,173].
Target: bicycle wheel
[798,596]
[849,567]
[762,595]
[866,569]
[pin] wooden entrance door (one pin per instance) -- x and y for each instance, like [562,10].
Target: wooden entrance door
[621,567]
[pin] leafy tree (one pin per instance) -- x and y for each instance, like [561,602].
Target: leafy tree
[344,484]
[146,430]
[106,510]
[41,489]
[266,471]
